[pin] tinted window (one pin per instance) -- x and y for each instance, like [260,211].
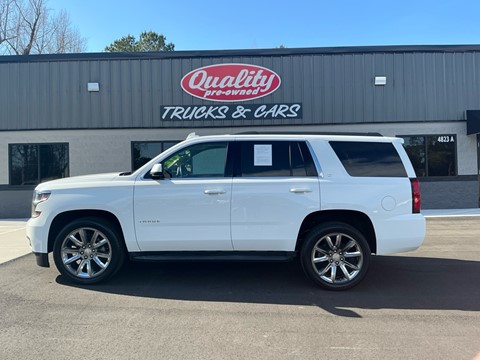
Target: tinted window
[275,159]
[441,155]
[369,159]
[199,160]
[308,159]
[265,158]
[31,164]
[298,166]
[432,155]
[416,150]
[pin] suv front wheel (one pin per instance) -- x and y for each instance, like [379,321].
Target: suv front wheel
[335,255]
[88,251]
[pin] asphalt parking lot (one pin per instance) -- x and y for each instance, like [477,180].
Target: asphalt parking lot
[420,305]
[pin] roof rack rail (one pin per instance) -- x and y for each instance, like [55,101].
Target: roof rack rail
[308,133]
[192,135]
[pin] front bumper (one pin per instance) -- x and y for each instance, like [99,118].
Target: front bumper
[38,239]
[42,259]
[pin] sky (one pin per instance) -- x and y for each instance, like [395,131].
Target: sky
[257,24]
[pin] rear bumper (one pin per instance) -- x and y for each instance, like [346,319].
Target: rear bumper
[400,234]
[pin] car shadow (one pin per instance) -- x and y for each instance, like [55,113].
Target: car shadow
[393,282]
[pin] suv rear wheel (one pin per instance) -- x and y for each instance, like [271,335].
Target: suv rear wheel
[88,250]
[335,256]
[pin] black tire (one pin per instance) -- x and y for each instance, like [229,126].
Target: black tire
[335,256]
[88,250]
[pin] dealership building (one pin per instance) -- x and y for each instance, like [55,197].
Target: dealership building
[75,114]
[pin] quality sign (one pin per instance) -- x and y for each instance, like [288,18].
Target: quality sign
[230,82]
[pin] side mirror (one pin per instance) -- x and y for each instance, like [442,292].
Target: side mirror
[157,172]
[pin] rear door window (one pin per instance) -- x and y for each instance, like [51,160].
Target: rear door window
[274,159]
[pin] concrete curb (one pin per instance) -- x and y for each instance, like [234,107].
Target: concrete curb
[451,213]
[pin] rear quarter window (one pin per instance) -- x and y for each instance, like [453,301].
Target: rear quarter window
[369,159]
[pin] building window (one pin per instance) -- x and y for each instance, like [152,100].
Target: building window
[432,155]
[31,164]
[144,151]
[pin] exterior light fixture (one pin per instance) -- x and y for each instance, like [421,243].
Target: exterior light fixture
[93,87]
[380,80]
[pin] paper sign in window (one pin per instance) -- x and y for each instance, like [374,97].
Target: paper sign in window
[262,155]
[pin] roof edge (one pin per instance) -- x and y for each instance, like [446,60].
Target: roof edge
[240,52]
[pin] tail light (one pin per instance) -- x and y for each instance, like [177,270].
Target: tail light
[416,201]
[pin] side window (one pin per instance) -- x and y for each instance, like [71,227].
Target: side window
[298,166]
[199,160]
[369,159]
[264,159]
[275,159]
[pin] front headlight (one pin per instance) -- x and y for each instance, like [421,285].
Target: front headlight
[38,197]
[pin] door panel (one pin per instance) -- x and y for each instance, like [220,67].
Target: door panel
[275,187]
[183,215]
[267,212]
[189,210]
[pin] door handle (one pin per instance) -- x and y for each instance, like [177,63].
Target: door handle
[214,192]
[300,190]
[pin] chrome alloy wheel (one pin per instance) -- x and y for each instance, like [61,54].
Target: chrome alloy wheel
[86,252]
[337,258]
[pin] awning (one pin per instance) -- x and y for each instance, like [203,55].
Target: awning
[473,122]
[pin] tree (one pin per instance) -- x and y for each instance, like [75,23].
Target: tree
[6,22]
[29,27]
[148,41]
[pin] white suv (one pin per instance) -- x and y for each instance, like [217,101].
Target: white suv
[331,200]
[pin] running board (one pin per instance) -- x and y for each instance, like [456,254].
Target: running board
[212,256]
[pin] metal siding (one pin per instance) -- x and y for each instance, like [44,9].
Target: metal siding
[368,88]
[337,88]
[470,80]
[476,91]
[52,118]
[348,89]
[105,96]
[432,88]
[126,97]
[327,82]
[398,85]
[359,93]
[333,88]
[390,104]
[145,94]
[308,82]
[115,83]
[136,113]
[450,82]
[409,85]
[379,92]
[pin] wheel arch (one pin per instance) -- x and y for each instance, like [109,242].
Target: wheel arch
[64,218]
[357,219]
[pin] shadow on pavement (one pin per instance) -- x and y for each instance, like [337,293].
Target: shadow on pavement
[393,282]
